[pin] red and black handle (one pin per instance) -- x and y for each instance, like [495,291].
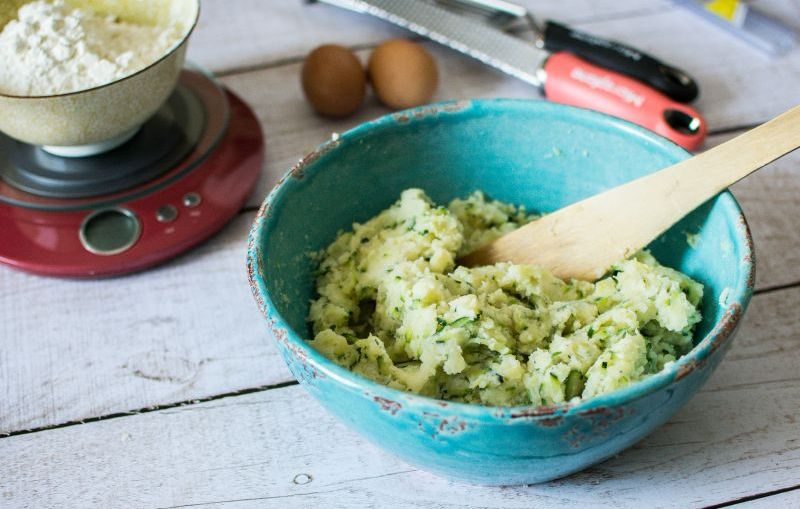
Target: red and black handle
[620,58]
[574,81]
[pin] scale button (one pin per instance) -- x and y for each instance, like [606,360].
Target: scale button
[110,231]
[191,200]
[166,214]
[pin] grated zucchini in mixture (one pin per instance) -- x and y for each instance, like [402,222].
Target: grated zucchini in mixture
[393,306]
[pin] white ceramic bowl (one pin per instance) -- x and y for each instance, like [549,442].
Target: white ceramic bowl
[97,119]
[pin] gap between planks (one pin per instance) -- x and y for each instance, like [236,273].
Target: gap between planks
[751,498]
[154,408]
[732,503]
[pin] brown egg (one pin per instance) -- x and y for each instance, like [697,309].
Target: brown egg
[403,74]
[333,80]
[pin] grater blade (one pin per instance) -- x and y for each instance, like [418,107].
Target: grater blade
[491,46]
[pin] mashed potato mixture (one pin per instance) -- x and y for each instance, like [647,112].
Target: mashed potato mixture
[395,307]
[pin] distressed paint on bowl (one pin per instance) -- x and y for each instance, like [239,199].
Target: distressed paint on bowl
[105,112]
[544,156]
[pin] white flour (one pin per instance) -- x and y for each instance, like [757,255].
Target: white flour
[52,49]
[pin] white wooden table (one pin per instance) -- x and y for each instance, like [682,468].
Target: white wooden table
[163,389]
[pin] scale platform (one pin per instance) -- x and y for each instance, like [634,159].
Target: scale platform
[179,180]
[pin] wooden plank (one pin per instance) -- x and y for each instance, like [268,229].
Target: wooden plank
[233,34]
[77,349]
[242,33]
[278,448]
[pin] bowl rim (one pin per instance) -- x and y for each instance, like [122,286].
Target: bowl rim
[165,56]
[718,337]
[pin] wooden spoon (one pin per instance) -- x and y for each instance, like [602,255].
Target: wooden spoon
[585,239]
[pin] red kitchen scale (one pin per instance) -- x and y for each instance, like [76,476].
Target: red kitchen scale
[180,179]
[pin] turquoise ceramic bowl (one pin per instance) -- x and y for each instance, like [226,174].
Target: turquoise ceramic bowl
[539,154]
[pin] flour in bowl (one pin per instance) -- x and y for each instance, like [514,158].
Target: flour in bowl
[53,49]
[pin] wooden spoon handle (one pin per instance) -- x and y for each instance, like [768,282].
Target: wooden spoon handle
[705,175]
[583,240]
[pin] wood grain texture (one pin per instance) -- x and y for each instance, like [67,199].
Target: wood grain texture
[278,448]
[71,350]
